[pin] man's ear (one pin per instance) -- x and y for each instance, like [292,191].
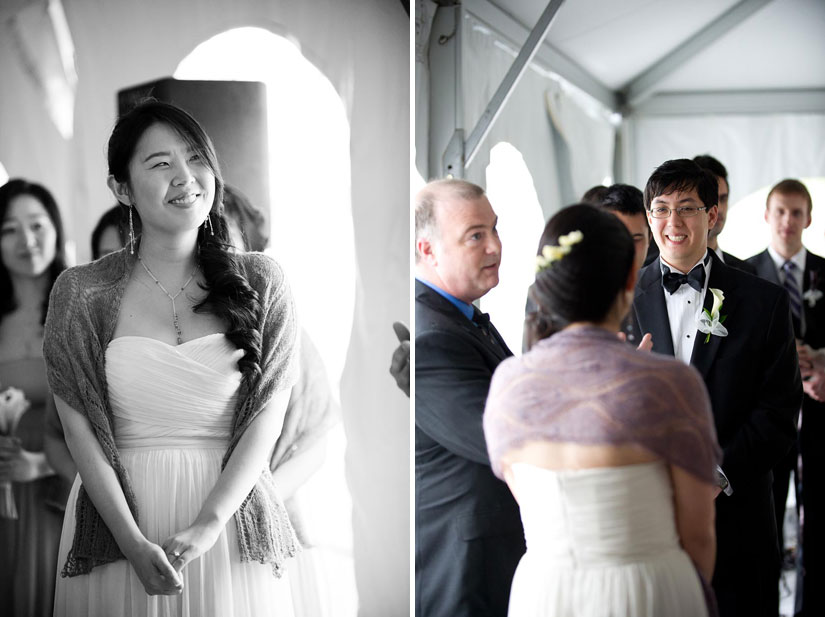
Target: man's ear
[120,190]
[425,249]
[630,283]
[713,216]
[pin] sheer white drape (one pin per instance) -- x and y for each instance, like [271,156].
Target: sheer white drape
[362,46]
[588,134]
[523,121]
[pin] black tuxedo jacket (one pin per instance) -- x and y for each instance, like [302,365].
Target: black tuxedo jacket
[811,434]
[468,533]
[739,264]
[752,376]
[812,279]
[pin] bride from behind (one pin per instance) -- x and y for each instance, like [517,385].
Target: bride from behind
[609,451]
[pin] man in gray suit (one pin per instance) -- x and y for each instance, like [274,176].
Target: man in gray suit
[468,533]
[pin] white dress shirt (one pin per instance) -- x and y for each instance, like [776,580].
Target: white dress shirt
[683,309]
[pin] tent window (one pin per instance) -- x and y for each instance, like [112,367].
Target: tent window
[520,222]
[312,237]
[311,217]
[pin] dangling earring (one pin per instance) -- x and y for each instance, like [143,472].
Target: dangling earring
[208,222]
[131,233]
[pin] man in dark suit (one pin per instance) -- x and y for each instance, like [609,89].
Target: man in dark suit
[748,362]
[788,263]
[468,533]
[706,161]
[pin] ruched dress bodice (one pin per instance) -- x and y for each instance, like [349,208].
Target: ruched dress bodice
[192,399]
[173,409]
[601,542]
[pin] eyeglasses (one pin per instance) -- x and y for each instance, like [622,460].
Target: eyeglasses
[663,212]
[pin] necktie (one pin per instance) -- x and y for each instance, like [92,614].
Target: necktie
[695,278]
[794,295]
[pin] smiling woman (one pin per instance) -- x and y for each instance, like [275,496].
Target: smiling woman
[181,345]
[31,257]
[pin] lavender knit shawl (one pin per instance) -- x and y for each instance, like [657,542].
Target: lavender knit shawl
[83,309]
[583,385]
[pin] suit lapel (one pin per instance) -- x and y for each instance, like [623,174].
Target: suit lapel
[651,310]
[435,301]
[765,268]
[704,353]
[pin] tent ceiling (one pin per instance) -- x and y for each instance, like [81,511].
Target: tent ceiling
[778,47]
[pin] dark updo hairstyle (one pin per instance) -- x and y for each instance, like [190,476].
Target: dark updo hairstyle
[584,284]
[230,297]
[15,188]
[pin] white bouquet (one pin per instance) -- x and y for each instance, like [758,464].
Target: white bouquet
[13,404]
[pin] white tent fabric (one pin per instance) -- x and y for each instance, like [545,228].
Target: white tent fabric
[362,48]
[588,133]
[758,150]
[523,122]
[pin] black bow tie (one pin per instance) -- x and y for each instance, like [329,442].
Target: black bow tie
[481,319]
[674,280]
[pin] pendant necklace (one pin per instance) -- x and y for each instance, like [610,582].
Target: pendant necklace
[170,296]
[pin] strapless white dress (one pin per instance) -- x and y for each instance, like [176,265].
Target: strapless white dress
[173,409]
[602,543]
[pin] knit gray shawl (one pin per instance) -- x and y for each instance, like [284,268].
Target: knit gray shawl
[83,310]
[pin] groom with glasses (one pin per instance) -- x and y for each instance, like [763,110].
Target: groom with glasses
[735,329]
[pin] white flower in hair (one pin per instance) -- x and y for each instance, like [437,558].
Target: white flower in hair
[551,253]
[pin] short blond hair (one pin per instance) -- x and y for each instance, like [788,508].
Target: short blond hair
[434,193]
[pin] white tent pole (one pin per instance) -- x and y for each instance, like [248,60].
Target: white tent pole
[800,101]
[459,153]
[644,84]
[511,79]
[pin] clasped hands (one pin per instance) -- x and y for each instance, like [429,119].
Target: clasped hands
[159,567]
[812,368]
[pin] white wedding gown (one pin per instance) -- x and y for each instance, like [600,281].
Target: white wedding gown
[601,543]
[173,409]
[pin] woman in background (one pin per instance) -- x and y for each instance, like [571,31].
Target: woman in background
[301,448]
[109,234]
[171,362]
[610,452]
[32,256]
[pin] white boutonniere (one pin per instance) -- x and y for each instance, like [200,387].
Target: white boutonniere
[812,296]
[711,322]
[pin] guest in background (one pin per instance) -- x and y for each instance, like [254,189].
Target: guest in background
[788,263]
[109,234]
[301,448]
[31,258]
[706,161]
